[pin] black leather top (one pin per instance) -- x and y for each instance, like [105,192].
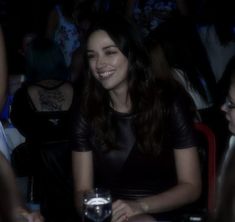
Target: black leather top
[128,172]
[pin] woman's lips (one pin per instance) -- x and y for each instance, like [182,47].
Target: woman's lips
[105,75]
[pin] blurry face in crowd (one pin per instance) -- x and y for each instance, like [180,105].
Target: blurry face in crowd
[107,63]
[229,108]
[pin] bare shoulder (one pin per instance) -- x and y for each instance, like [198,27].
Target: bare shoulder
[32,91]
[67,88]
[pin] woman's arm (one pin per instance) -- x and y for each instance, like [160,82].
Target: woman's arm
[187,190]
[82,163]
[3,71]
[7,177]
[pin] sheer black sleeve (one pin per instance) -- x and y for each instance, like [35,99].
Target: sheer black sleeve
[81,135]
[181,131]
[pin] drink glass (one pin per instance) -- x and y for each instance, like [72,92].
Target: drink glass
[97,205]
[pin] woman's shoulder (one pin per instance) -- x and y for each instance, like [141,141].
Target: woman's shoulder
[182,98]
[67,85]
[68,89]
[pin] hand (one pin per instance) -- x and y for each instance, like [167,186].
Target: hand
[123,210]
[34,217]
[29,216]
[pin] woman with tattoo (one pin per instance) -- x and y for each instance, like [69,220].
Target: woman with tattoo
[41,111]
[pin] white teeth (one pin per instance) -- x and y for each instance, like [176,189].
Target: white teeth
[105,74]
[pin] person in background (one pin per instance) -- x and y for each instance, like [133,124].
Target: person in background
[149,14]
[225,204]
[3,93]
[222,91]
[218,35]
[16,77]
[12,209]
[11,206]
[188,61]
[3,71]
[133,133]
[62,28]
[41,111]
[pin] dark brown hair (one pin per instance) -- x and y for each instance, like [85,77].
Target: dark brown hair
[150,96]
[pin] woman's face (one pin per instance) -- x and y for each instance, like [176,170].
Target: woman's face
[229,108]
[107,63]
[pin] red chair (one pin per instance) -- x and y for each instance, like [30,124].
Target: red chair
[210,144]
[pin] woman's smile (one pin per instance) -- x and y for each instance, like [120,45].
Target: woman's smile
[105,75]
[107,63]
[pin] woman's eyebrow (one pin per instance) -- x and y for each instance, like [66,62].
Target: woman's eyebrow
[106,47]
[110,46]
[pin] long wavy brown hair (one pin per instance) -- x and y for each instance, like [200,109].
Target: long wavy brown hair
[150,96]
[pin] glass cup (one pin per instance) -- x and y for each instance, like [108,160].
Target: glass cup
[97,205]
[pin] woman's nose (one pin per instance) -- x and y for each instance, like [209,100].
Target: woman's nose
[224,108]
[100,62]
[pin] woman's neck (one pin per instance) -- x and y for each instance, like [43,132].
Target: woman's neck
[120,102]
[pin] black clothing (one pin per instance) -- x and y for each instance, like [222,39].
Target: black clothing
[46,154]
[128,172]
[36,125]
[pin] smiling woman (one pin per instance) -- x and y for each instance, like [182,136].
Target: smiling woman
[108,64]
[133,134]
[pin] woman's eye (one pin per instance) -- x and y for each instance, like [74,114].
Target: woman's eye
[90,56]
[110,52]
